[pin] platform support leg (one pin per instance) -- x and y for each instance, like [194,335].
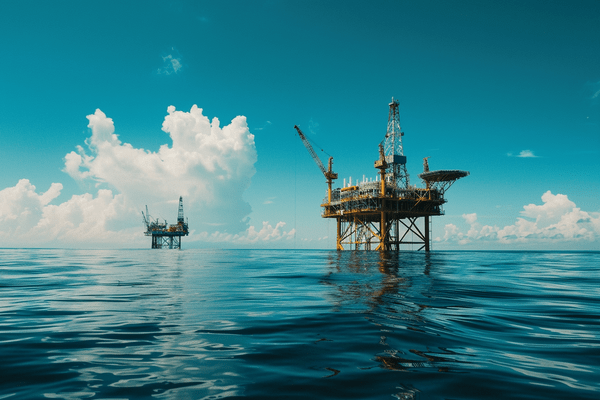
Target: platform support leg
[427,239]
[339,234]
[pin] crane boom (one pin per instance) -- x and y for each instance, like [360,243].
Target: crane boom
[329,174]
[311,150]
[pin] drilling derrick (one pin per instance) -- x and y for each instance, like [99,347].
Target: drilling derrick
[180,211]
[394,152]
[383,214]
[166,236]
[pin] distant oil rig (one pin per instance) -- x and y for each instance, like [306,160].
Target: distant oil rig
[166,236]
[383,214]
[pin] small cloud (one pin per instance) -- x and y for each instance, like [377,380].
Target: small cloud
[269,200]
[523,154]
[171,63]
[470,218]
[526,154]
[313,126]
[266,124]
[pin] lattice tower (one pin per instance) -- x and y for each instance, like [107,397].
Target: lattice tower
[394,151]
[180,211]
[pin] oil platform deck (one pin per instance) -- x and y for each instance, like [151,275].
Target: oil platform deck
[368,220]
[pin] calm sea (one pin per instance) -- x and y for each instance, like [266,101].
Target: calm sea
[212,324]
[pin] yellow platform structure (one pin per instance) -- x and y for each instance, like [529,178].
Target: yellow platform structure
[384,214]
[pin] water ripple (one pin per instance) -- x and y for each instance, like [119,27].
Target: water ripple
[298,324]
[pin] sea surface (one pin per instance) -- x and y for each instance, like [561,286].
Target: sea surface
[273,324]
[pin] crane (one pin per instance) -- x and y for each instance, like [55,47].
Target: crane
[146,218]
[152,225]
[329,174]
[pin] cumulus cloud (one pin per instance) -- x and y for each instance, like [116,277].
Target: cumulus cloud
[208,164]
[526,154]
[523,154]
[267,233]
[28,219]
[21,207]
[558,219]
[87,219]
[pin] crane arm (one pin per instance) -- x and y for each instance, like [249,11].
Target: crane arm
[311,151]
[146,217]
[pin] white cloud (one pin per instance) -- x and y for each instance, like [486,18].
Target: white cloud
[267,233]
[266,125]
[27,218]
[73,161]
[523,154]
[309,240]
[526,154]
[209,165]
[21,207]
[470,218]
[171,63]
[558,220]
[87,219]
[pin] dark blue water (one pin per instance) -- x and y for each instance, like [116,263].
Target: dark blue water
[200,324]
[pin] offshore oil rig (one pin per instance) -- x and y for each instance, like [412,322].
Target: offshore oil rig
[166,236]
[384,214]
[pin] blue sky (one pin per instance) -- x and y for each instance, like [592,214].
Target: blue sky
[508,90]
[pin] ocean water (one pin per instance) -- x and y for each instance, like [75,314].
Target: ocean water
[259,324]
